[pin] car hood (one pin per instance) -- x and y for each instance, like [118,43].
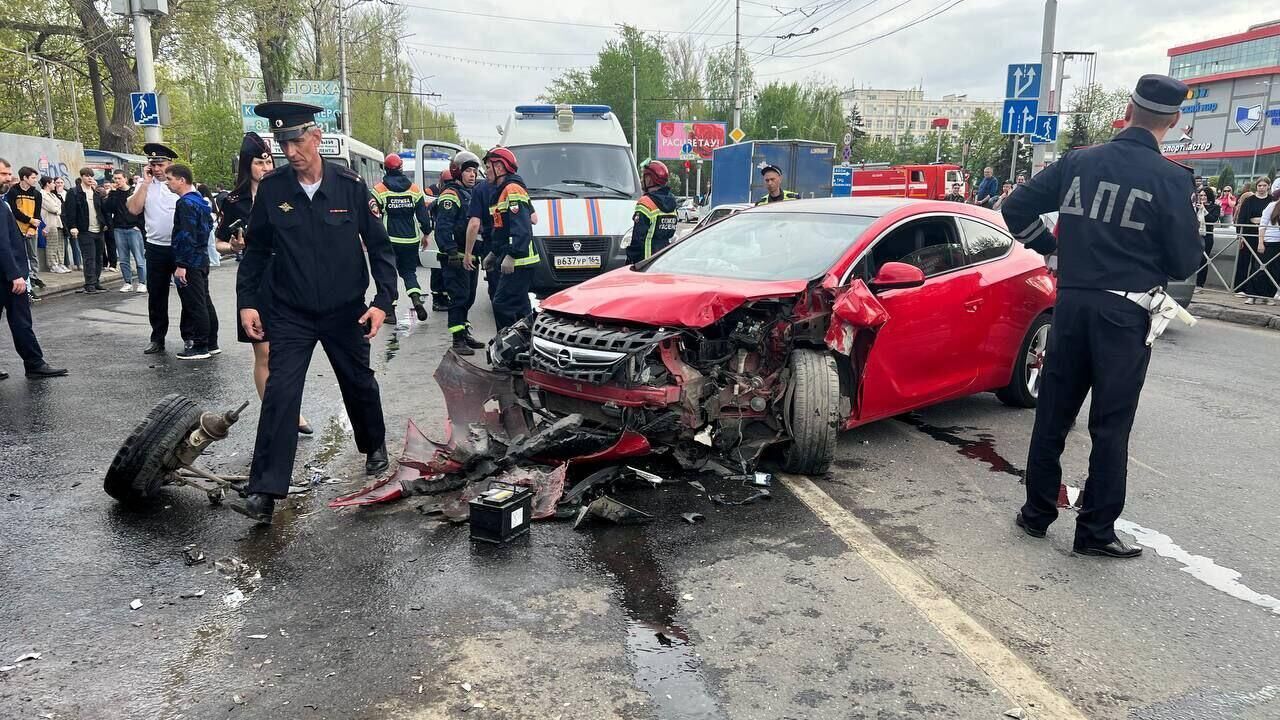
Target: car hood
[664,300]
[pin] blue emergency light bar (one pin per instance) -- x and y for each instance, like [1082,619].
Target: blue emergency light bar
[551,109]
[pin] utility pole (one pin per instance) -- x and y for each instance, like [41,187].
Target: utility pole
[737,64]
[635,128]
[75,106]
[342,69]
[48,99]
[1046,63]
[138,12]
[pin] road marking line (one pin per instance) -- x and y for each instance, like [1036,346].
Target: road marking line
[1016,679]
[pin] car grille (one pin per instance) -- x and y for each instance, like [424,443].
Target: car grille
[553,246]
[569,348]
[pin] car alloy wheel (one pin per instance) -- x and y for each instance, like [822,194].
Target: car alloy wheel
[1035,359]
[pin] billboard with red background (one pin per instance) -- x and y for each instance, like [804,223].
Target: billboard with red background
[703,136]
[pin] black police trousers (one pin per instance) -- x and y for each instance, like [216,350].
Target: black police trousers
[18,310]
[511,300]
[460,283]
[1098,343]
[294,334]
[439,296]
[407,266]
[160,267]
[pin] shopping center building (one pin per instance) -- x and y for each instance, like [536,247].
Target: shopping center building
[1232,113]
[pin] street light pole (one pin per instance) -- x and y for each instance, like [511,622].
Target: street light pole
[737,64]
[1262,130]
[635,128]
[1046,64]
[342,69]
[777,130]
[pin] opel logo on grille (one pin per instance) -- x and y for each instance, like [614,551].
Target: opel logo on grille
[577,246]
[564,358]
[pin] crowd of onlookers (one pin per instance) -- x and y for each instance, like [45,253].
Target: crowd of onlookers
[86,228]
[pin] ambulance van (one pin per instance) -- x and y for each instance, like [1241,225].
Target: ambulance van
[582,178]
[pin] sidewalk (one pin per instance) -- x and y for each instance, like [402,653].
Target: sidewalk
[66,283]
[1225,306]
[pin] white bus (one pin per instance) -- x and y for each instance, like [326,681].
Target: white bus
[347,151]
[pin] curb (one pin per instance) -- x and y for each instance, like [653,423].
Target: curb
[1235,315]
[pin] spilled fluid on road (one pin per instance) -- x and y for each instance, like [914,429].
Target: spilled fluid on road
[662,652]
[981,448]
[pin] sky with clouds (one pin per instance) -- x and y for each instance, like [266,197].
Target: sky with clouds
[951,46]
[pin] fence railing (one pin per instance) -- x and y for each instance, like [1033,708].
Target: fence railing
[1256,271]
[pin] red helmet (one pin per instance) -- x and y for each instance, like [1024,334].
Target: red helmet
[446,175]
[393,162]
[658,171]
[503,156]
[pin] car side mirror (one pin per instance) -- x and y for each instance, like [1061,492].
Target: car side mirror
[896,275]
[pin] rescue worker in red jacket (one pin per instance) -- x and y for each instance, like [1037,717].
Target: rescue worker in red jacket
[404,212]
[654,222]
[513,250]
[451,238]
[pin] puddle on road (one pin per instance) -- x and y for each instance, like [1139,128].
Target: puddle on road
[663,655]
[393,348]
[982,449]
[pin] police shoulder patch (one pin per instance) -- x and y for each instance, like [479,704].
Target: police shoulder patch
[374,210]
[1188,168]
[348,173]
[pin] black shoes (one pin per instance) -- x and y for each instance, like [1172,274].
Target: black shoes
[304,428]
[1115,549]
[154,348]
[45,371]
[258,506]
[461,346]
[376,462]
[1022,523]
[419,307]
[193,353]
[471,341]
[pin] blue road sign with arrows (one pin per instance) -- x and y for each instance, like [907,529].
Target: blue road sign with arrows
[1018,117]
[1045,130]
[146,109]
[1023,82]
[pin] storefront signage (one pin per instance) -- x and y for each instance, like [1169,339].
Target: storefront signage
[1185,147]
[1195,95]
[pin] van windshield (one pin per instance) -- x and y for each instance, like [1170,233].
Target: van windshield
[577,169]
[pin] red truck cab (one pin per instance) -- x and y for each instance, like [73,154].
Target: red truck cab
[926,182]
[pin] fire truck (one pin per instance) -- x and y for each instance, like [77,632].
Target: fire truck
[931,182]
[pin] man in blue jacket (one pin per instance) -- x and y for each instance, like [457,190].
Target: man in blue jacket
[988,189]
[14,302]
[192,224]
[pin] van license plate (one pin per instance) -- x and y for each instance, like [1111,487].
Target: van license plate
[578,261]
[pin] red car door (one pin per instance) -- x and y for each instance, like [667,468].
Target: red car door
[928,349]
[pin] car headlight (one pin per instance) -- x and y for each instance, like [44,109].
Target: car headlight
[624,241]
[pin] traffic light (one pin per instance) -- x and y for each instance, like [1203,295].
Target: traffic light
[686,166]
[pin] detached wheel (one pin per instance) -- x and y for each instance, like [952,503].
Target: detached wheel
[813,412]
[1023,389]
[147,455]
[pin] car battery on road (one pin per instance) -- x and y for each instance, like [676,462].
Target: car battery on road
[501,513]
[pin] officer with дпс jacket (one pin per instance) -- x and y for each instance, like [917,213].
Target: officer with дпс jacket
[1125,226]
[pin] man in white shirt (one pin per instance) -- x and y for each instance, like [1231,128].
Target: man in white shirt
[156,202]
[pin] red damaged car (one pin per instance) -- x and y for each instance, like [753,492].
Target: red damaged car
[784,324]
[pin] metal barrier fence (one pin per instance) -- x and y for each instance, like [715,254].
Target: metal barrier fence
[1257,278]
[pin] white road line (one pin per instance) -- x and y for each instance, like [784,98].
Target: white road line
[1017,680]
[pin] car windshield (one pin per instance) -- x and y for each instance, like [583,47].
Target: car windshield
[578,170]
[763,246]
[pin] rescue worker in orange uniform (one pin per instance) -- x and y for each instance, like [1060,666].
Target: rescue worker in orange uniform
[513,250]
[654,222]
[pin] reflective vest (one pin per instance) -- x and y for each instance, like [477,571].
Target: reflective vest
[512,222]
[786,195]
[399,210]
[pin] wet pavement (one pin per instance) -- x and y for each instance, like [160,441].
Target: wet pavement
[760,611]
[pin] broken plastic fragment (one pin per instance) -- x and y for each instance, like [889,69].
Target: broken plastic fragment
[607,508]
[136,604]
[192,594]
[761,494]
[646,476]
[193,555]
[693,518]
[237,699]
[234,599]
[28,656]
[257,637]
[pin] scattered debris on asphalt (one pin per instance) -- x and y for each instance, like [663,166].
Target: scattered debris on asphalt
[1017,712]
[193,555]
[238,700]
[135,605]
[192,594]
[607,508]
[693,518]
[257,637]
[234,599]
[723,499]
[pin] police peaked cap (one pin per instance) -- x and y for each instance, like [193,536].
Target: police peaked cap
[157,152]
[288,120]
[1159,94]
[252,148]
[766,167]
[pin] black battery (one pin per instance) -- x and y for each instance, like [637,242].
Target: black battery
[501,513]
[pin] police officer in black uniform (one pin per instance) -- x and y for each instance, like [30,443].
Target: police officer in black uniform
[312,216]
[1125,226]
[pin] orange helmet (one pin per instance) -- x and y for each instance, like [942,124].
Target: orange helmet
[446,175]
[503,156]
[393,162]
[658,171]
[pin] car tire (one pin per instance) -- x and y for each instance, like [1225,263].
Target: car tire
[144,460]
[1023,389]
[813,412]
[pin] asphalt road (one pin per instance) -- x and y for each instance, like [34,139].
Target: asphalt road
[763,611]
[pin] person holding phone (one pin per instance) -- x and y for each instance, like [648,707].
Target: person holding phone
[155,202]
[254,164]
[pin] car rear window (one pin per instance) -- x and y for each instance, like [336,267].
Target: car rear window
[763,246]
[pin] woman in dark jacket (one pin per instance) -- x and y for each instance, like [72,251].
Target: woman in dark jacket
[1248,215]
[255,162]
[1212,213]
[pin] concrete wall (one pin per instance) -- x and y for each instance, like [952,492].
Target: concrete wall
[55,158]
